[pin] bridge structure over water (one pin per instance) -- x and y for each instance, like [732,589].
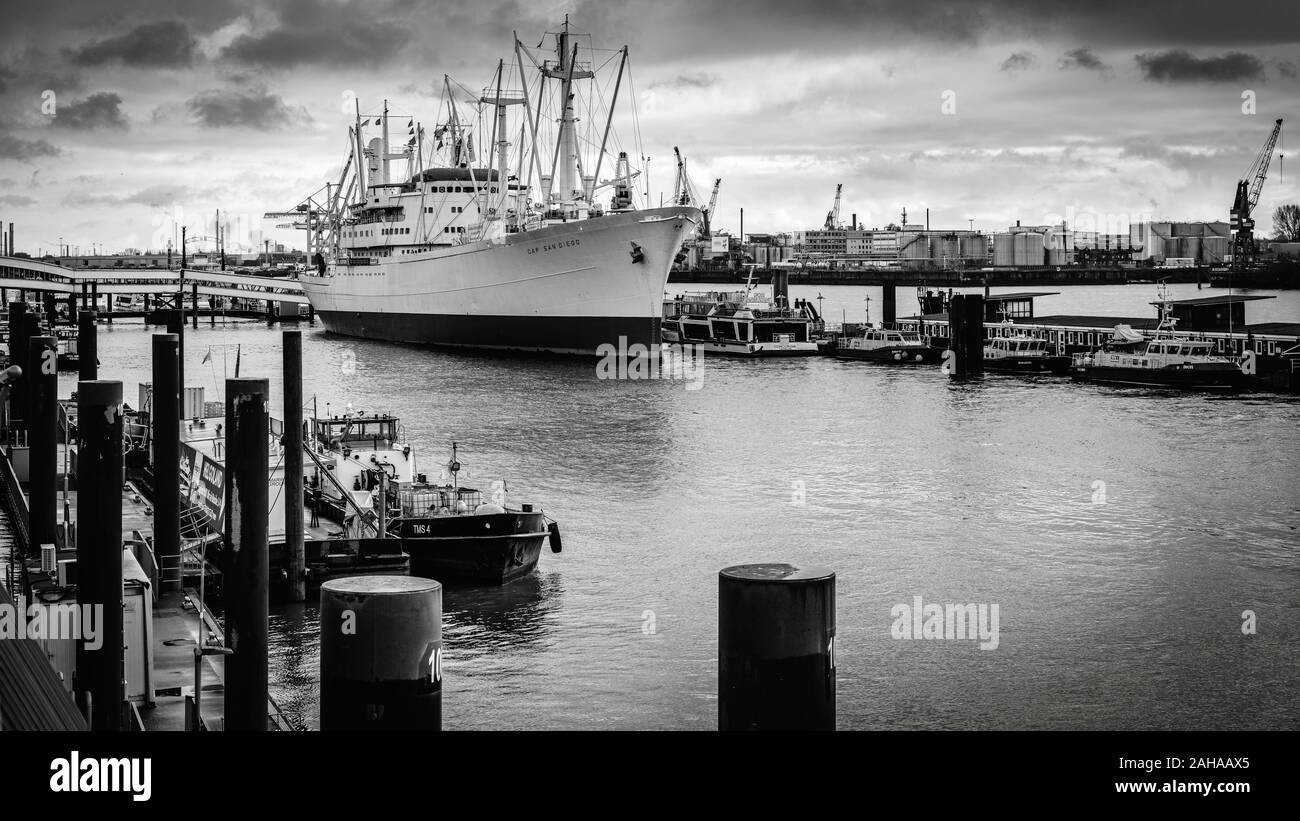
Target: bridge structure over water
[87,288]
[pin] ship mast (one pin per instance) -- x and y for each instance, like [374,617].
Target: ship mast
[566,71]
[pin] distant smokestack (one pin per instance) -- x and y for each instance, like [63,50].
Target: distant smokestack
[855,222]
[927,219]
[11,238]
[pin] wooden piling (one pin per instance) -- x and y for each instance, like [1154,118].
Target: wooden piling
[888,305]
[246,552]
[42,370]
[165,426]
[98,680]
[776,647]
[381,653]
[293,466]
[195,317]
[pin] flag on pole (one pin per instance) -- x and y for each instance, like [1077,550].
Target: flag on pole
[207,357]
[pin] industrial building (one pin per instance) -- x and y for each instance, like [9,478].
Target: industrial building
[1203,243]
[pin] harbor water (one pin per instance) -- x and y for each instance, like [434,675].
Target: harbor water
[1122,534]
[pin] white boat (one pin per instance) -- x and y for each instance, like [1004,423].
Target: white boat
[751,322]
[520,258]
[1022,353]
[889,346]
[1165,359]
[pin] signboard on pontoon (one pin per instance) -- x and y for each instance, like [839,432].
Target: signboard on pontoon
[205,487]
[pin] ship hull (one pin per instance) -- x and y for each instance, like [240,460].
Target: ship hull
[1029,364]
[893,355]
[1198,378]
[568,334]
[491,548]
[566,288]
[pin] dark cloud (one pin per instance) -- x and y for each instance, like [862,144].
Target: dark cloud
[686,81]
[1019,61]
[1288,70]
[7,74]
[99,110]
[244,108]
[150,45]
[1179,66]
[1081,58]
[354,40]
[16,200]
[16,148]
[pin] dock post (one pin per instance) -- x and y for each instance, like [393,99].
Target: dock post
[381,653]
[98,680]
[72,309]
[18,336]
[776,647]
[165,424]
[246,553]
[195,292]
[87,346]
[293,484]
[42,370]
[94,297]
[888,305]
[175,323]
[51,309]
[311,313]
[966,334]
[108,309]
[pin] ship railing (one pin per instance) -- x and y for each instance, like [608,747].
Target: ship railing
[419,504]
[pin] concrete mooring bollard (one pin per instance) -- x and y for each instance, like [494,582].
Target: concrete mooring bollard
[776,647]
[381,653]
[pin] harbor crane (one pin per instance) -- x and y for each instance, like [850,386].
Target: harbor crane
[708,212]
[682,192]
[1248,188]
[833,216]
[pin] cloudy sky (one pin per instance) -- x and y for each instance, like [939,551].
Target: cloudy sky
[118,116]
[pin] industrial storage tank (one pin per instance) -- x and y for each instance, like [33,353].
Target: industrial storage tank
[1215,248]
[1004,251]
[974,249]
[914,251]
[1029,249]
[947,250]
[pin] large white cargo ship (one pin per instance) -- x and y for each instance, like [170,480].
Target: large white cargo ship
[520,256]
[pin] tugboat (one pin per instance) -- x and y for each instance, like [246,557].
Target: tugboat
[743,323]
[890,347]
[1022,354]
[1164,360]
[367,479]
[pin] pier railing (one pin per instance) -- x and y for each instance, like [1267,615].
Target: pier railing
[15,503]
